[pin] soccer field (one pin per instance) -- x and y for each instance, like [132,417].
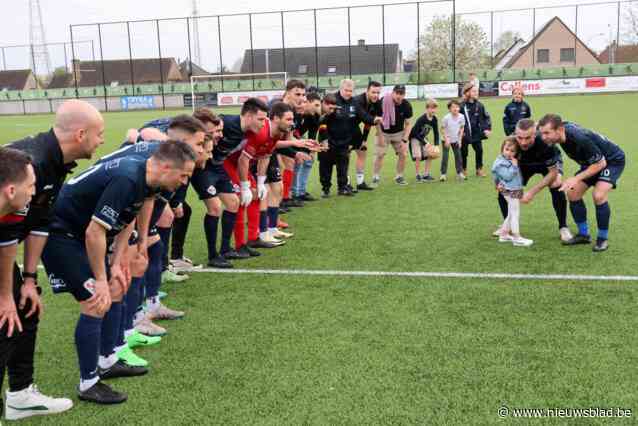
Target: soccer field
[346,348]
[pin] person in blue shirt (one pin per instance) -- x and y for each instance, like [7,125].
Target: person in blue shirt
[515,111]
[137,327]
[509,180]
[601,165]
[95,210]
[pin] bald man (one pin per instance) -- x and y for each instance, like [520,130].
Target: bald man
[78,131]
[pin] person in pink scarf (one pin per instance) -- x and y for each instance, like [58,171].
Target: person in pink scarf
[396,127]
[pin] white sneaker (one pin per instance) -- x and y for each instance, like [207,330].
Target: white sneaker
[30,402]
[282,234]
[461,176]
[164,313]
[149,328]
[183,264]
[521,242]
[270,239]
[565,234]
[375,181]
[505,238]
[443,178]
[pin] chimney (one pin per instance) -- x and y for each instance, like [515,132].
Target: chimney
[361,42]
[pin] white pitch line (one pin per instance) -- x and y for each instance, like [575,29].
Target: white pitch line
[480,275]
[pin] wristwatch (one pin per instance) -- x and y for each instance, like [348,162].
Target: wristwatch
[34,276]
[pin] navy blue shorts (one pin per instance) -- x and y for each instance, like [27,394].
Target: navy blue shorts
[609,174]
[211,181]
[527,171]
[68,267]
[273,174]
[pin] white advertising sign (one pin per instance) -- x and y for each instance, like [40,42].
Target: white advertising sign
[448,90]
[570,85]
[238,98]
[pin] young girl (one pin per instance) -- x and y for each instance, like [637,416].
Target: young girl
[508,180]
[420,148]
[477,128]
[453,127]
[516,110]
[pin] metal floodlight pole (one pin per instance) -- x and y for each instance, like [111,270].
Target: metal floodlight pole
[252,50]
[316,48]
[491,39]
[533,38]
[219,38]
[188,36]
[349,47]
[75,74]
[99,35]
[159,51]
[283,44]
[92,50]
[383,40]
[130,56]
[66,59]
[453,41]
[576,35]
[35,72]
[617,33]
[4,60]
[418,44]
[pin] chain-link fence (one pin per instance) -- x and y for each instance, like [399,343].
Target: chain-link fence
[408,43]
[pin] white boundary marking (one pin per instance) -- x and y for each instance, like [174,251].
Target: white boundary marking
[479,275]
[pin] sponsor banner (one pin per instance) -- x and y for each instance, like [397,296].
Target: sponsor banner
[448,90]
[488,88]
[571,85]
[411,91]
[201,99]
[238,98]
[137,102]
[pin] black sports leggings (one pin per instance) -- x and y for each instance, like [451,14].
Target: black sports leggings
[478,151]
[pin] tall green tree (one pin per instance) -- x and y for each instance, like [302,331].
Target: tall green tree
[435,46]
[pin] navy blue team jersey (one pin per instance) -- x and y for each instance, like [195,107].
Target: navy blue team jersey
[587,147]
[160,124]
[110,193]
[143,151]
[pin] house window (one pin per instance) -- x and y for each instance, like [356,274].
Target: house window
[542,56]
[567,55]
[332,69]
[303,69]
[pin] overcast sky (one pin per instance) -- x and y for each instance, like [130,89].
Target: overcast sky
[595,25]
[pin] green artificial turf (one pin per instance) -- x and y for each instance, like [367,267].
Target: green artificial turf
[305,349]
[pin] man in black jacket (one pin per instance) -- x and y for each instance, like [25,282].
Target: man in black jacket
[76,134]
[368,107]
[342,130]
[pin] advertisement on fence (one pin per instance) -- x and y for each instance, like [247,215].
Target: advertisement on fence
[137,102]
[570,85]
[238,98]
[411,91]
[439,90]
[201,99]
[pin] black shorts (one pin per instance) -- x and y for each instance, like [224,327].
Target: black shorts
[609,174]
[530,170]
[273,174]
[67,265]
[211,181]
